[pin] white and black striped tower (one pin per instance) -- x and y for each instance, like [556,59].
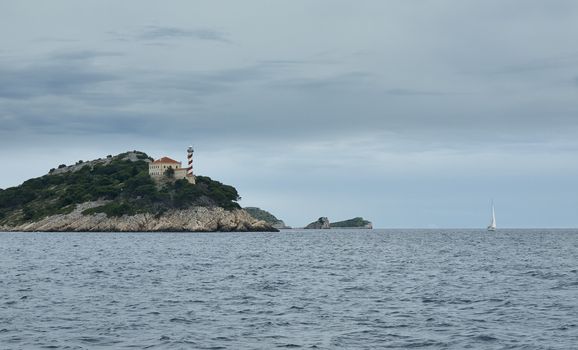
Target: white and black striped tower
[190,160]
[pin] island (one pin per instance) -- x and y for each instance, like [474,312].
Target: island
[323,223]
[129,192]
[357,222]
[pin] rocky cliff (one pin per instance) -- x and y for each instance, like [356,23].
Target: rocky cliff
[266,216]
[196,219]
[321,223]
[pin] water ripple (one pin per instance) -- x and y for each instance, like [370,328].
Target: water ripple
[339,289]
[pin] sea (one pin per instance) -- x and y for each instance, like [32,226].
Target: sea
[296,289]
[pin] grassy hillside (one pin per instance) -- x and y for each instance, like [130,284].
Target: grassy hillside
[122,179]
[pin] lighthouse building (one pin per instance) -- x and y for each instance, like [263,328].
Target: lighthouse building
[158,168]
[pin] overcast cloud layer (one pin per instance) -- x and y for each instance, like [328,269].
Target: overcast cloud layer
[409,113]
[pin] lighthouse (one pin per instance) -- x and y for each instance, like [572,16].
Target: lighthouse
[158,168]
[190,176]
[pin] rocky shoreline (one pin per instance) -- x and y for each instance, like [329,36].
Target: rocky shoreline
[266,216]
[195,219]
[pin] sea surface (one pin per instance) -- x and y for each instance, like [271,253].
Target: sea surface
[334,289]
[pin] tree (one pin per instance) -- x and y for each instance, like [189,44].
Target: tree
[170,173]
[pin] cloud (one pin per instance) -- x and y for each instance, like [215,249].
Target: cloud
[549,63]
[152,33]
[47,39]
[83,55]
[341,80]
[75,75]
[70,92]
[67,93]
[49,79]
[351,81]
[60,73]
[412,92]
[284,62]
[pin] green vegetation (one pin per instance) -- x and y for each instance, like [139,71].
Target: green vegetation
[355,222]
[261,214]
[264,215]
[170,173]
[125,183]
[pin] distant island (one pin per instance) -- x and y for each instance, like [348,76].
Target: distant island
[127,192]
[357,222]
[323,223]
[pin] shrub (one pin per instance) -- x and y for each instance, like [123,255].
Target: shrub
[170,173]
[112,209]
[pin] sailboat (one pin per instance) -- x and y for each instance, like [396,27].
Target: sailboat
[492,225]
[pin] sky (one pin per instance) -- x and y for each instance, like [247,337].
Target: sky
[410,113]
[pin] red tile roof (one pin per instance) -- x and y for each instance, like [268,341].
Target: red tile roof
[166,160]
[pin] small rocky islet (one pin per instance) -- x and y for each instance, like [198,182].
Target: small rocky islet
[323,223]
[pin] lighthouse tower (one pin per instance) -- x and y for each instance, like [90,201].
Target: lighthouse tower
[190,176]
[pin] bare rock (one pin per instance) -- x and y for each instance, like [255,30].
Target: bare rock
[196,219]
[321,223]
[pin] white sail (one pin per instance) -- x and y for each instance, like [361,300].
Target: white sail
[492,226]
